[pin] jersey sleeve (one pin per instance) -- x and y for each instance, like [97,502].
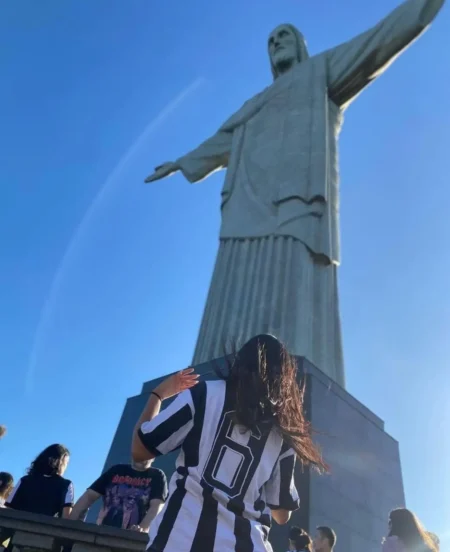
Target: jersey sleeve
[159,487]
[14,499]
[281,492]
[100,484]
[69,498]
[167,431]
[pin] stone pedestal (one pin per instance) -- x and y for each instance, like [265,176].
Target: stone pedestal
[365,481]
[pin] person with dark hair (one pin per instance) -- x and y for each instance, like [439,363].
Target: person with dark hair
[325,539]
[240,437]
[299,540]
[3,431]
[407,534]
[132,496]
[44,490]
[6,485]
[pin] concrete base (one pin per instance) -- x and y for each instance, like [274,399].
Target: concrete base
[365,481]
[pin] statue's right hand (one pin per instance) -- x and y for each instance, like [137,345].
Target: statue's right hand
[166,169]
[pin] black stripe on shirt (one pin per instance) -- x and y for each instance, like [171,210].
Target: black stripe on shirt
[242,526]
[165,429]
[287,466]
[170,515]
[205,535]
[264,519]
[191,450]
[147,444]
[191,445]
[242,530]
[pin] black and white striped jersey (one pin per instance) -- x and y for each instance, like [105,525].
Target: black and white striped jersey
[227,479]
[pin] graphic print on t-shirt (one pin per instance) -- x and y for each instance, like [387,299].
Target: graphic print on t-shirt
[127,494]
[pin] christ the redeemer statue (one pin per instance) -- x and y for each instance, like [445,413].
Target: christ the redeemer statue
[276,269]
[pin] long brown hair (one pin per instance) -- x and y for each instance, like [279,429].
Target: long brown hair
[407,527]
[263,380]
[49,461]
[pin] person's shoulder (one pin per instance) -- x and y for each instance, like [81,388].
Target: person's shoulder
[206,391]
[199,391]
[117,467]
[156,472]
[28,480]
[215,389]
[215,386]
[63,480]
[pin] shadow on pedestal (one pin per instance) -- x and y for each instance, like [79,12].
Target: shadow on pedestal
[365,481]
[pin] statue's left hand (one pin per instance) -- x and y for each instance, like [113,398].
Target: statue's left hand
[166,169]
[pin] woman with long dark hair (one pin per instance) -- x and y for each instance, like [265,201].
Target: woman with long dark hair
[44,490]
[407,534]
[240,437]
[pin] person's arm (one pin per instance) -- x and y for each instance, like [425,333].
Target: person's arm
[281,516]
[210,156]
[145,433]
[356,63]
[67,510]
[155,508]
[281,493]
[83,504]
[157,498]
[139,453]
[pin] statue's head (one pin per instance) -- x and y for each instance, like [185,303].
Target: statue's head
[287,47]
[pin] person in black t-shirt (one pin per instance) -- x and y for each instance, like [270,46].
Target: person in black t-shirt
[44,490]
[132,496]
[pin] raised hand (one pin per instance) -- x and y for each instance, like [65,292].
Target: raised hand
[166,169]
[177,383]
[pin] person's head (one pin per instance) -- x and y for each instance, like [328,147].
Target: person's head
[324,539]
[287,47]
[3,431]
[299,540]
[6,484]
[263,384]
[406,526]
[141,466]
[51,461]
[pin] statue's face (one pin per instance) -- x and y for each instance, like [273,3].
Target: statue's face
[283,46]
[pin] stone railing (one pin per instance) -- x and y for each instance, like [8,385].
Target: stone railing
[25,532]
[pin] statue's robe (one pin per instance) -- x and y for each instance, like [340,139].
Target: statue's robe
[276,270]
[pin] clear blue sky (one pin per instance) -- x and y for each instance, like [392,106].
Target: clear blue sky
[103,280]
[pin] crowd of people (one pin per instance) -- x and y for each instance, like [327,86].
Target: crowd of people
[239,436]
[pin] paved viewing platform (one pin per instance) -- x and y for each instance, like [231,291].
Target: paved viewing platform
[32,532]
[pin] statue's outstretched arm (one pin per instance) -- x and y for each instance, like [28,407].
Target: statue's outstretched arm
[355,64]
[211,155]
